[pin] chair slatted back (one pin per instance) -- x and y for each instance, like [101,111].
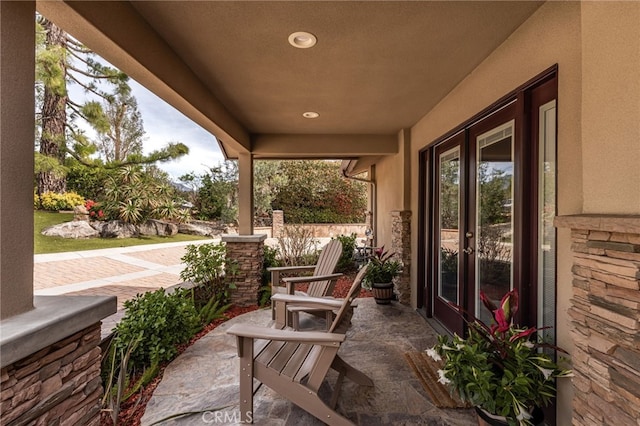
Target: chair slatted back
[327,263]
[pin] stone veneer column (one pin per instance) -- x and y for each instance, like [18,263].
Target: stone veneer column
[50,364]
[401,245]
[59,384]
[277,223]
[605,318]
[248,252]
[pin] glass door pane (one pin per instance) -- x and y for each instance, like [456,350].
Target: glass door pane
[494,215]
[546,214]
[449,225]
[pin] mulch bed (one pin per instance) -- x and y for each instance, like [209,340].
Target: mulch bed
[132,410]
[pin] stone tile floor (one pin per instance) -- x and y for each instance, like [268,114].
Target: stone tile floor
[201,386]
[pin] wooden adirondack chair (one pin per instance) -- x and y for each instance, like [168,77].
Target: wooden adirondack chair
[321,283]
[295,363]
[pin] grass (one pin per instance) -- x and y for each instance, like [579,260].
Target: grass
[43,244]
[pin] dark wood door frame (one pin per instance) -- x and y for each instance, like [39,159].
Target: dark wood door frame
[523,178]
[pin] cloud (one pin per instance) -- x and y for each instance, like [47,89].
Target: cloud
[164,124]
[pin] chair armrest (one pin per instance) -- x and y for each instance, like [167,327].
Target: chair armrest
[311,279]
[310,337]
[291,268]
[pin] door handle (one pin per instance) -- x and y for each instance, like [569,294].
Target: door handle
[468,250]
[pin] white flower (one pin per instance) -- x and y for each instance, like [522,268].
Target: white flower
[547,372]
[443,379]
[521,412]
[528,344]
[433,354]
[459,346]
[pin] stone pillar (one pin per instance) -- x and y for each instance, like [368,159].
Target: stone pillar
[605,318]
[50,365]
[248,252]
[60,384]
[401,245]
[277,223]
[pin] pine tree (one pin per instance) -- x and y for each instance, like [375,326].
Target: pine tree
[112,112]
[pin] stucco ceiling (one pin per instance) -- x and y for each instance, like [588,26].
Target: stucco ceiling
[378,66]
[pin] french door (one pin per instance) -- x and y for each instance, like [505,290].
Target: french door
[474,217]
[488,199]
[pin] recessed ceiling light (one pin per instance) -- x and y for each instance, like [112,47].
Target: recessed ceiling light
[302,40]
[310,114]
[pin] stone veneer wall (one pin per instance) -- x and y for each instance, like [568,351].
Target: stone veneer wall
[248,252]
[401,245]
[605,318]
[59,384]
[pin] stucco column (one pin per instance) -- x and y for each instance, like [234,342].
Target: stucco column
[17,73]
[245,194]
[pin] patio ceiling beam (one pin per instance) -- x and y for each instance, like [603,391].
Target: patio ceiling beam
[118,33]
[323,146]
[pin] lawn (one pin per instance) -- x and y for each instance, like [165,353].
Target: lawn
[44,244]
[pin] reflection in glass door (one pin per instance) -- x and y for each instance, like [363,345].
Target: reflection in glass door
[449,224]
[494,215]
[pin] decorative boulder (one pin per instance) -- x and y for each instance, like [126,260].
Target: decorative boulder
[201,227]
[158,227]
[75,229]
[118,229]
[80,213]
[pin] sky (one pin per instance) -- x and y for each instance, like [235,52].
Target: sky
[164,124]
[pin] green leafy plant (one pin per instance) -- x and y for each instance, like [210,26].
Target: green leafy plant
[500,368]
[212,310]
[161,321]
[346,263]
[207,264]
[271,259]
[383,268]
[115,364]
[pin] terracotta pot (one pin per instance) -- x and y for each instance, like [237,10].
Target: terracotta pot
[487,419]
[382,292]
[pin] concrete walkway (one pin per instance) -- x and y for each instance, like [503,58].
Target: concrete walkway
[201,385]
[122,272]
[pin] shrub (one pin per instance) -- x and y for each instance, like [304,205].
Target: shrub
[36,201]
[54,201]
[270,260]
[297,246]
[95,210]
[134,195]
[160,321]
[346,263]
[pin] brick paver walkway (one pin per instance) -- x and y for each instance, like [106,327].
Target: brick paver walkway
[121,272]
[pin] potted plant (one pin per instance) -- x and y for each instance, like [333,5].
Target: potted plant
[382,269]
[500,369]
